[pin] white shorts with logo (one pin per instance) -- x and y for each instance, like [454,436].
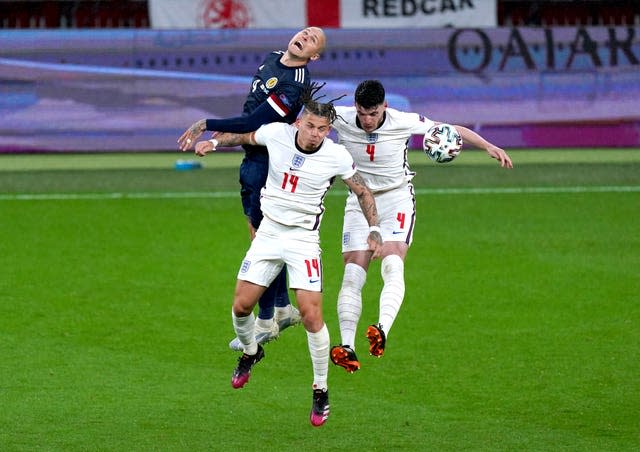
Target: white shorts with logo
[396,212]
[276,245]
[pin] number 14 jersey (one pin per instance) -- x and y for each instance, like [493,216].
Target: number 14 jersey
[298,181]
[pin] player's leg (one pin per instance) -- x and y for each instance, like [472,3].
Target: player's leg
[318,342]
[317,334]
[397,224]
[350,295]
[258,269]
[356,258]
[245,299]
[391,297]
[305,275]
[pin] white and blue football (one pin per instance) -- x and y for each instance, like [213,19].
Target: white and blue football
[442,143]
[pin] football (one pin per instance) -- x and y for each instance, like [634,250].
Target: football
[442,143]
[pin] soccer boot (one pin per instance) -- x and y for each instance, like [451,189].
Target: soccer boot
[345,356]
[377,340]
[320,407]
[287,316]
[263,334]
[242,372]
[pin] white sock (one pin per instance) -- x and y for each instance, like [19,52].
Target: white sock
[265,324]
[392,269]
[245,330]
[319,350]
[350,303]
[282,312]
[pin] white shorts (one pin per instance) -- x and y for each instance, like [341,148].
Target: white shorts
[396,212]
[276,245]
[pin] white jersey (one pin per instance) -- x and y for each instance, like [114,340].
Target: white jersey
[381,156]
[298,181]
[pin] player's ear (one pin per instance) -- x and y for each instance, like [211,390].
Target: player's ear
[314,57]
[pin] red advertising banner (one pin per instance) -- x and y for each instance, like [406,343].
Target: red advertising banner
[194,14]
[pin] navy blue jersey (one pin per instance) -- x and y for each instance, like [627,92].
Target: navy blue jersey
[280,85]
[275,96]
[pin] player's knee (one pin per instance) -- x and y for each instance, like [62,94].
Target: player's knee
[312,319]
[392,266]
[240,311]
[354,277]
[243,306]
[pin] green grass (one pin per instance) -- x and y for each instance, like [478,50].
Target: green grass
[520,328]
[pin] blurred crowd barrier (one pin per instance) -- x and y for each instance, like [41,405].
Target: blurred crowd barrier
[139,89]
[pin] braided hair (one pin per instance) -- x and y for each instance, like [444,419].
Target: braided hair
[312,105]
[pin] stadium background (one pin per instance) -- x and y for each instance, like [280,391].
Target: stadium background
[519,330]
[524,74]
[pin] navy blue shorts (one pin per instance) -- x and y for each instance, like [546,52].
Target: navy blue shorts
[253,176]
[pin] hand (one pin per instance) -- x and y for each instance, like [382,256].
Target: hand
[500,155]
[375,244]
[204,147]
[191,135]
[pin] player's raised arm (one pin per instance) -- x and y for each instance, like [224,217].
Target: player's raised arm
[224,139]
[469,136]
[368,205]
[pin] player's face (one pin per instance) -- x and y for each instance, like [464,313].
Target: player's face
[371,118]
[307,44]
[312,129]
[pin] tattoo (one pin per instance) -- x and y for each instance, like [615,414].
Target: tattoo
[358,180]
[198,127]
[365,198]
[234,139]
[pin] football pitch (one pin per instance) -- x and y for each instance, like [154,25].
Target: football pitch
[520,329]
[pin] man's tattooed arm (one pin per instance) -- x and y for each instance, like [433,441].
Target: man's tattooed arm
[235,139]
[367,203]
[224,139]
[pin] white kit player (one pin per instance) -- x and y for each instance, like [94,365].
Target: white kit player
[377,138]
[303,164]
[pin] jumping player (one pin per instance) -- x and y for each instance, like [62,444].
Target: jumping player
[377,137]
[275,96]
[303,164]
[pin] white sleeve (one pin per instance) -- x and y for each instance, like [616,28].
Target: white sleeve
[348,166]
[261,135]
[269,131]
[417,123]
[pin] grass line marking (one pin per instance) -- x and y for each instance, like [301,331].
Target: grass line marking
[230,194]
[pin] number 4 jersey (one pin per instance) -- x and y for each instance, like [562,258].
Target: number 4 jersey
[381,156]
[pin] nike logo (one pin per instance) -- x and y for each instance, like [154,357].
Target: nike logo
[397,232]
[313,281]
